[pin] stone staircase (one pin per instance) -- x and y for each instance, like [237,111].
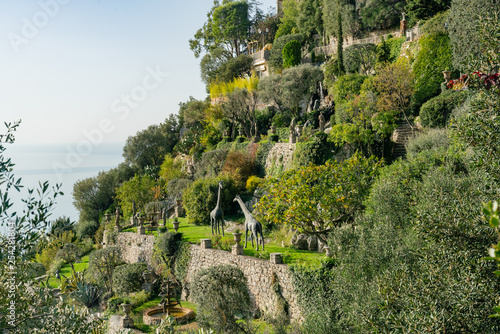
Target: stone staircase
[400,137]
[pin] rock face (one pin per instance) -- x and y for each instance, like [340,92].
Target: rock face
[305,242]
[300,241]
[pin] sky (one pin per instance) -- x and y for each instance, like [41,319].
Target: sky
[94,71]
[84,75]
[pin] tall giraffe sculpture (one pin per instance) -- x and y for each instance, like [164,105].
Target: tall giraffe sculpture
[251,224]
[217,216]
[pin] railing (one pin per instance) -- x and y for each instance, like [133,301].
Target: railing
[332,47]
[262,54]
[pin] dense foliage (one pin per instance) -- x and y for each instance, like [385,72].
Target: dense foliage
[292,54]
[315,151]
[436,112]
[222,295]
[433,58]
[128,277]
[360,58]
[18,292]
[319,199]
[276,56]
[201,197]
[465,36]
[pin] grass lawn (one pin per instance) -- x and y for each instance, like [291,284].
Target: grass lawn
[194,233]
[66,271]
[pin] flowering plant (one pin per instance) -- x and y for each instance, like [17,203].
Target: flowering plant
[489,80]
[459,84]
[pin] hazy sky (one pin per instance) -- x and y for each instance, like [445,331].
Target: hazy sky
[96,71]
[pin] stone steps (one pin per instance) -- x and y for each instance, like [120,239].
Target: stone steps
[400,137]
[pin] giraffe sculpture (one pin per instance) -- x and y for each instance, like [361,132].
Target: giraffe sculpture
[251,224]
[217,216]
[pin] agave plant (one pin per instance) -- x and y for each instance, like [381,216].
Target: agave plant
[86,294]
[80,290]
[71,284]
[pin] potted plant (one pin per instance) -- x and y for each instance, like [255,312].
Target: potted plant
[127,307]
[447,74]
[175,224]
[237,235]
[273,128]
[141,217]
[147,276]
[300,126]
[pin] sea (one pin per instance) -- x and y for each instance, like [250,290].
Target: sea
[63,164]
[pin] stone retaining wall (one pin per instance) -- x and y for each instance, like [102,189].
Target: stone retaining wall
[135,247]
[259,274]
[280,158]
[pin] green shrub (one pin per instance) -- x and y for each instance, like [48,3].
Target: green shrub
[35,269]
[201,197]
[128,277]
[182,257]
[346,86]
[433,58]
[211,163]
[85,246]
[436,24]
[450,288]
[276,56]
[222,243]
[253,182]
[114,303]
[102,263]
[262,152]
[436,112]
[168,243]
[138,298]
[283,134]
[331,69]
[315,294]
[434,139]
[221,294]
[316,150]
[281,120]
[177,187]
[86,229]
[394,45]
[360,57]
[292,54]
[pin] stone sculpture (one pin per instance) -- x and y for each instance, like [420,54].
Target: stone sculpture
[164,216]
[321,122]
[217,216]
[292,131]
[251,224]
[117,219]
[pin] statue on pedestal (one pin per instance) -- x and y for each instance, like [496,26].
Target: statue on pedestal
[293,137]
[321,122]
